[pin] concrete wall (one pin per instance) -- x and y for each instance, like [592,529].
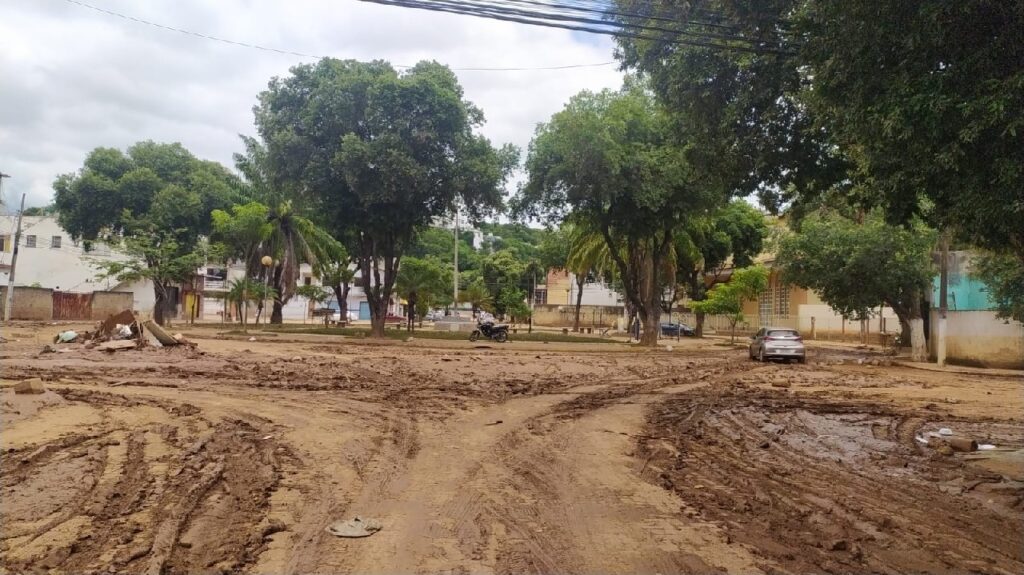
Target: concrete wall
[107,303]
[29,303]
[978,338]
[563,315]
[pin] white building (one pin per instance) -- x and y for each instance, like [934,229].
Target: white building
[48,258]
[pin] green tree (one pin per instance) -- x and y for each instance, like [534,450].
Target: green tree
[242,232]
[419,282]
[857,264]
[294,240]
[154,202]
[727,298]
[502,271]
[925,97]
[728,237]
[339,276]
[739,108]
[1004,277]
[382,153]
[609,160]
[47,210]
[477,295]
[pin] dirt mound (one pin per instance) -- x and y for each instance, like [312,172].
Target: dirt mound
[819,484]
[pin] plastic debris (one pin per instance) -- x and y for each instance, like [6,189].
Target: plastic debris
[122,331]
[357,527]
[945,431]
[985,446]
[66,336]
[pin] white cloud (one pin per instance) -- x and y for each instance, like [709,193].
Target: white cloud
[72,79]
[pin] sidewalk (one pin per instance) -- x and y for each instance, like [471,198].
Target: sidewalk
[964,370]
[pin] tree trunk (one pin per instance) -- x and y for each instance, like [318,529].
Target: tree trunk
[650,319]
[411,314]
[699,328]
[910,315]
[277,314]
[918,344]
[160,297]
[580,279]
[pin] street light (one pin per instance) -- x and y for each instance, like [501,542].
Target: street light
[268,262]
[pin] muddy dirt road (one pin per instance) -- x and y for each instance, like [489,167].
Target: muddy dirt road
[524,458]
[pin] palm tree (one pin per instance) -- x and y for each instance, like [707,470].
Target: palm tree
[588,256]
[293,241]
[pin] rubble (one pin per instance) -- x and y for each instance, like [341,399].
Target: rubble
[122,331]
[34,385]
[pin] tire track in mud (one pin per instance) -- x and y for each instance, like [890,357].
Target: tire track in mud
[185,496]
[506,499]
[824,484]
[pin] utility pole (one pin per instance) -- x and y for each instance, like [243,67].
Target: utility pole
[455,272]
[8,305]
[940,339]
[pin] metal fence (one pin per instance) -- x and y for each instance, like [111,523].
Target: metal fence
[875,330]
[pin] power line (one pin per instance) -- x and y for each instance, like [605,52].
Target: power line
[314,56]
[602,18]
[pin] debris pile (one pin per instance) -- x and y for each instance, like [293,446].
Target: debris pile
[122,331]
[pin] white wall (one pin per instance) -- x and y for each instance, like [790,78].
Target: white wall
[594,293]
[68,267]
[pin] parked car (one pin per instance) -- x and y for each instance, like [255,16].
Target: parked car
[677,329]
[777,342]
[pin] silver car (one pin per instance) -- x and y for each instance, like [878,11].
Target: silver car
[777,342]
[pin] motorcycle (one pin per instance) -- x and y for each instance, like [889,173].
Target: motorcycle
[496,331]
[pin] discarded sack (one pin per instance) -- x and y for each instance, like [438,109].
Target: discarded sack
[68,336]
[357,527]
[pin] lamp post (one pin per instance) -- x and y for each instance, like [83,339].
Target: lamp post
[268,263]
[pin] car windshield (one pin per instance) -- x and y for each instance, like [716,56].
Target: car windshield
[783,333]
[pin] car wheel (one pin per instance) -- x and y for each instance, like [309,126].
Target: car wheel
[801,359]
[760,355]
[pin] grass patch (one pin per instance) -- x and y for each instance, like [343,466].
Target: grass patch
[426,333]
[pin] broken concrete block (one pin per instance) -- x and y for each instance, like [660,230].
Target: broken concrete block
[34,385]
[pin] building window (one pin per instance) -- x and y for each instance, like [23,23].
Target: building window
[3,243]
[540,297]
[307,280]
[55,242]
[783,300]
[30,241]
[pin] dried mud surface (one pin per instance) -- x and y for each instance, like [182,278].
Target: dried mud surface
[235,456]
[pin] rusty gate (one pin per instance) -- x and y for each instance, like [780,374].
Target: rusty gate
[71,306]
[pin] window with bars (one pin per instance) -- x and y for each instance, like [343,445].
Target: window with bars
[540,297]
[55,242]
[30,241]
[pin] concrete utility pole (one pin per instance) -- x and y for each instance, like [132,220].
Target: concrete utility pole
[940,332]
[9,303]
[455,272]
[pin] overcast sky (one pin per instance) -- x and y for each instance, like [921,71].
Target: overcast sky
[72,78]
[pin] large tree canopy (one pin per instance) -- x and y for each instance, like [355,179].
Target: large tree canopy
[609,159]
[156,199]
[927,98]
[858,264]
[741,109]
[381,154]
[915,106]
